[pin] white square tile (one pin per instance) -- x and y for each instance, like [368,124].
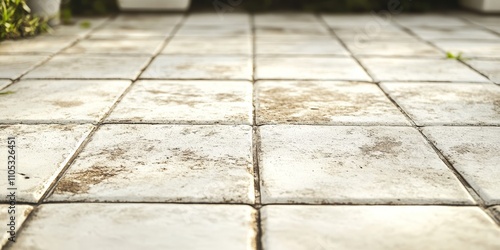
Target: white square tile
[224,45]
[396,48]
[79,29]
[200,67]
[489,68]
[448,104]
[430,20]
[4,83]
[42,151]
[300,46]
[353,165]
[20,212]
[115,227]
[138,26]
[313,68]
[366,21]
[440,33]
[61,101]
[420,69]
[471,49]
[159,163]
[91,67]
[221,19]
[196,102]
[287,18]
[360,35]
[119,47]
[37,45]
[377,228]
[327,103]
[291,31]
[214,31]
[13,66]
[473,151]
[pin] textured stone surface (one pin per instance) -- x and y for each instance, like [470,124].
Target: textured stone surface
[223,45]
[377,227]
[430,21]
[413,69]
[299,30]
[78,28]
[399,48]
[357,35]
[436,33]
[135,226]
[60,101]
[353,165]
[158,163]
[119,47]
[90,67]
[43,150]
[222,19]
[21,212]
[314,68]
[198,102]
[334,103]
[320,46]
[214,31]
[496,212]
[138,26]
[289,18]
[200,67]
[489,68]
[448,103]
[472,49]
[13,66]
[4,83]
[473,151]
[37,45]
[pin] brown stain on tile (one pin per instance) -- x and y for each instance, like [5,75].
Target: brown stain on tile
[67,104]
[382,147]
[228,97]
[81,181]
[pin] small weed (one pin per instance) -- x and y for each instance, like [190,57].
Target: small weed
[85,24]
[7,93]
[450,55]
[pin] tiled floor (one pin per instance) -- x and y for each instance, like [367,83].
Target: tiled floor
[256,132]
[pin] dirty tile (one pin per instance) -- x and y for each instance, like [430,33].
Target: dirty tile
[198,102]
[200,67]
[489,68]
[471,49]
[430,21]
[115,226]
[119,47]
[443,33]
[224,45]
[496,212]
[473,151]
[366,21]
[419,69]
[377,165]
[302,46]
[314,68]
[37,45]
[80,27]
[131,163]
[377,227]
[90,67]
[360,35]
[291,31]
[18,211]
[4,83]
[447,104]
[60,101]
[138,26]
[326,103]
[221,19]
[214,31]
[390,48]
[44,150]
[287,18]
[13,66]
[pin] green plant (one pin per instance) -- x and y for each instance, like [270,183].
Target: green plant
[16,20]
[450,55]
[7,93]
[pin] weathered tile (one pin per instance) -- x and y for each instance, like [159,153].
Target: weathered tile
[327,103]
[79,29]
[496,212]
[288,18]
[20,212]
[200,67]
[291,31]
[223,19]
[214,31]
[366,21]
[198,102]
[443,33]
[314,68]
[420,69]
[377,227]
[473,151]
[390,48]
[90,67]
[160,163]
[353,165]
[61,101]
[359,35]
[37,45]
[120,47]
[430,20]
[448,104]
[13,66]
[138,26]
[301,46]
[224,45]
[471,49]
[484,20]
[4,83]
[43,151]
[115,226]
[489,68]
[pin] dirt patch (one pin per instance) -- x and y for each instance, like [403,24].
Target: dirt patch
[80,182]
[67,104]
[228,97]
[382,147]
